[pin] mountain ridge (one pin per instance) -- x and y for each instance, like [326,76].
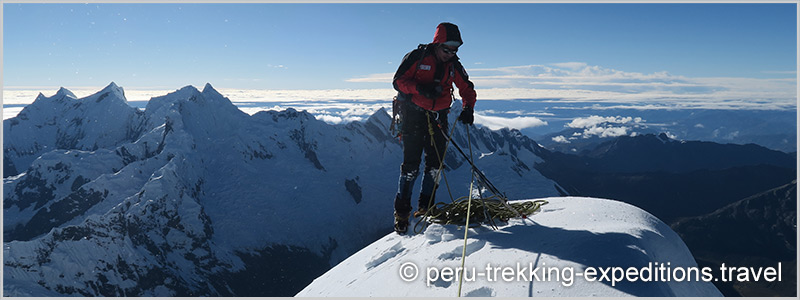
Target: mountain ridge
[758,231]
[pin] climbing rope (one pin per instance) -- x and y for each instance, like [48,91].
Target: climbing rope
[466,220]
[459,211]
[485,210]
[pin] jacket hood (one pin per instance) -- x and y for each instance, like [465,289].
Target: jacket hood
[448,34]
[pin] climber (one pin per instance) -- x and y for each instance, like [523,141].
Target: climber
[424,82]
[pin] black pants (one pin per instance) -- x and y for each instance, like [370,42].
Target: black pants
[416,140]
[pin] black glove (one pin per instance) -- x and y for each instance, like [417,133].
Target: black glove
[432,91]
[466,116]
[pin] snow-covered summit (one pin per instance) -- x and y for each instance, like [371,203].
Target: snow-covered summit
[111,89]
[62,121]
[63,92]
[548,255]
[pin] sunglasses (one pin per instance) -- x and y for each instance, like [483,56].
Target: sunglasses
[449,51]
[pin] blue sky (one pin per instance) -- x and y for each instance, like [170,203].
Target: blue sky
[354,46]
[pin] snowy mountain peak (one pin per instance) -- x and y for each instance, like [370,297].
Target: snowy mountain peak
[209,95]
[63,121]
[292,114]
[41,96]
[112,89]
[63,92]
[209,90]
[381,116]
[112,85]
[156,103]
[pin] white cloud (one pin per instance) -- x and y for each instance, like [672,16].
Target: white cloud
[336,119]
[732,135]
[570,65]
[10,112]
[606,126]
[593,121]
[561,139]
[605,132]
[26,96]
[495,123]
[793,72]
[308,95]
[599,87]
[379,78]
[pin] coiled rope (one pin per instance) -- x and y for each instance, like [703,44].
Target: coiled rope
[483,210]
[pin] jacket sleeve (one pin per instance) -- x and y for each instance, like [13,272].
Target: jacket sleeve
[465,87]
[404,77]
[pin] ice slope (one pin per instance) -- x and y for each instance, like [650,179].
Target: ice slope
[569,233]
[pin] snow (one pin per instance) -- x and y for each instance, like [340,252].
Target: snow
[192,180]
[569,236]
[61,121]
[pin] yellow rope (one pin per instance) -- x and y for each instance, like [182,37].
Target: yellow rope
[464,249]
[466,224]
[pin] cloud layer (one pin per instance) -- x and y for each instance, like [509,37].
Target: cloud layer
[578,81]
[574,85]
[495,123]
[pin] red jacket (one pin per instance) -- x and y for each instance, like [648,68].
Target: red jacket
[420,67]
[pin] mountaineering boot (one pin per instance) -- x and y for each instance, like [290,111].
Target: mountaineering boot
[423,204]
[400,223]
[402,201]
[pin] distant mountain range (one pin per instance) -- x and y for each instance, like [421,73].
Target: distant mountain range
[773,129]
[669,178]
[758,231]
